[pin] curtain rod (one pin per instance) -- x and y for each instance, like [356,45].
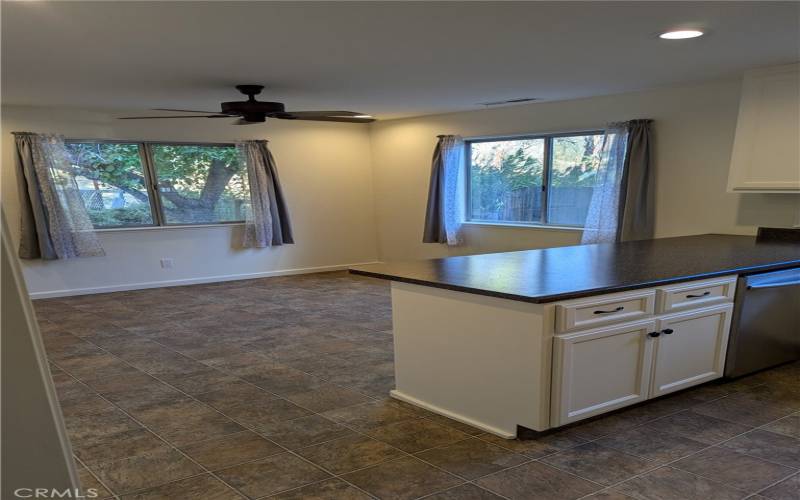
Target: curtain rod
[140,141]
[533,135]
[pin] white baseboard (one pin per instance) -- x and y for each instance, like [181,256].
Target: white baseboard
[190,281]
[449,414]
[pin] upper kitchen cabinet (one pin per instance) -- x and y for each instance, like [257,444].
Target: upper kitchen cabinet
[766,151]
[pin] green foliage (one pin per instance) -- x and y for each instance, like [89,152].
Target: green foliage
[187,167]
[134,215]
[115,164]
[575,160]
[197,183]
[501,168]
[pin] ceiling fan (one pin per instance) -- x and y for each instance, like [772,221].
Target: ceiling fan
[252,111]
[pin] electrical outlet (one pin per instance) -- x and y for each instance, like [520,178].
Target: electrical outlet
[166,263]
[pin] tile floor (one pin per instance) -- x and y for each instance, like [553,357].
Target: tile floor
[278,388]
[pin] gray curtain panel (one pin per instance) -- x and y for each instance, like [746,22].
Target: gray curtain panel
[622,206]
[54,220]
[267,222]
[637,190]
[442,216]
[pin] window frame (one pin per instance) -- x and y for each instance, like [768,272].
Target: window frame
[151,182]
[547,170]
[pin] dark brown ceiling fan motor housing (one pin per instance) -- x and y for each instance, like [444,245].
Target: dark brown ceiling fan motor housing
[253,111]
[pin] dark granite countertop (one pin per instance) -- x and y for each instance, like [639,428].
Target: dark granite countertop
[551,274]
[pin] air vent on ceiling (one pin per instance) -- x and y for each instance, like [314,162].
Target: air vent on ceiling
[518,100]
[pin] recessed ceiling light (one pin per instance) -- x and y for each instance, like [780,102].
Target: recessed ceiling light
[680,34]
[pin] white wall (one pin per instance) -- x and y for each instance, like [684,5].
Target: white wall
[694,130]
[35,450]
[324,168]
[357,193]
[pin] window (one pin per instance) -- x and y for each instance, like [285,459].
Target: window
[130,184]
[111,179]
[542,180]
[200,184]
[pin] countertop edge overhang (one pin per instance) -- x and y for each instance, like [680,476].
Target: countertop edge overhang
[786,256]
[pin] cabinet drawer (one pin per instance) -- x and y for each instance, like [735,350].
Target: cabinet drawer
[581,314]
[684,296]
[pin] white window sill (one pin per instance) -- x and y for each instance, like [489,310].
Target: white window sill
[526,226]
[160,228]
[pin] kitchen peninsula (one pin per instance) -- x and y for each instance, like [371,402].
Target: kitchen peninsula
[542,338]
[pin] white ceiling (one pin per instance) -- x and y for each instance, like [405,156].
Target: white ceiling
[389,59]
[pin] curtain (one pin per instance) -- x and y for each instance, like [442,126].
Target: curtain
[622,204]
[445,211]
[637,198]
[54,220]
[267,222]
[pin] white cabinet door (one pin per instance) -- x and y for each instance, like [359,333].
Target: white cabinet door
[599,370]
[766,150]
[690,349]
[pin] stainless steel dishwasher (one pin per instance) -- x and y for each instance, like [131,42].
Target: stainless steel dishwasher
[766,322]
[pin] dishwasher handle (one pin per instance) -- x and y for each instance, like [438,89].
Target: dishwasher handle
[774,285]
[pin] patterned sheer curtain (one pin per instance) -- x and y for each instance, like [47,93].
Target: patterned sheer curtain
[602,217]
[267,222]
[445,210]
[54,220]
[622,205]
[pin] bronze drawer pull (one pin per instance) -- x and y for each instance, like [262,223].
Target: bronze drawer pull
[704,294]
[610,312]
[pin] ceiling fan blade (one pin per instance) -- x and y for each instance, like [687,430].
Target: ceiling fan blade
[326,113]
[188,111]
[242,121]
[162,117]
[326,116]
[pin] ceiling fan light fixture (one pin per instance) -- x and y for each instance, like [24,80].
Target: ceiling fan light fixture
[680,34]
